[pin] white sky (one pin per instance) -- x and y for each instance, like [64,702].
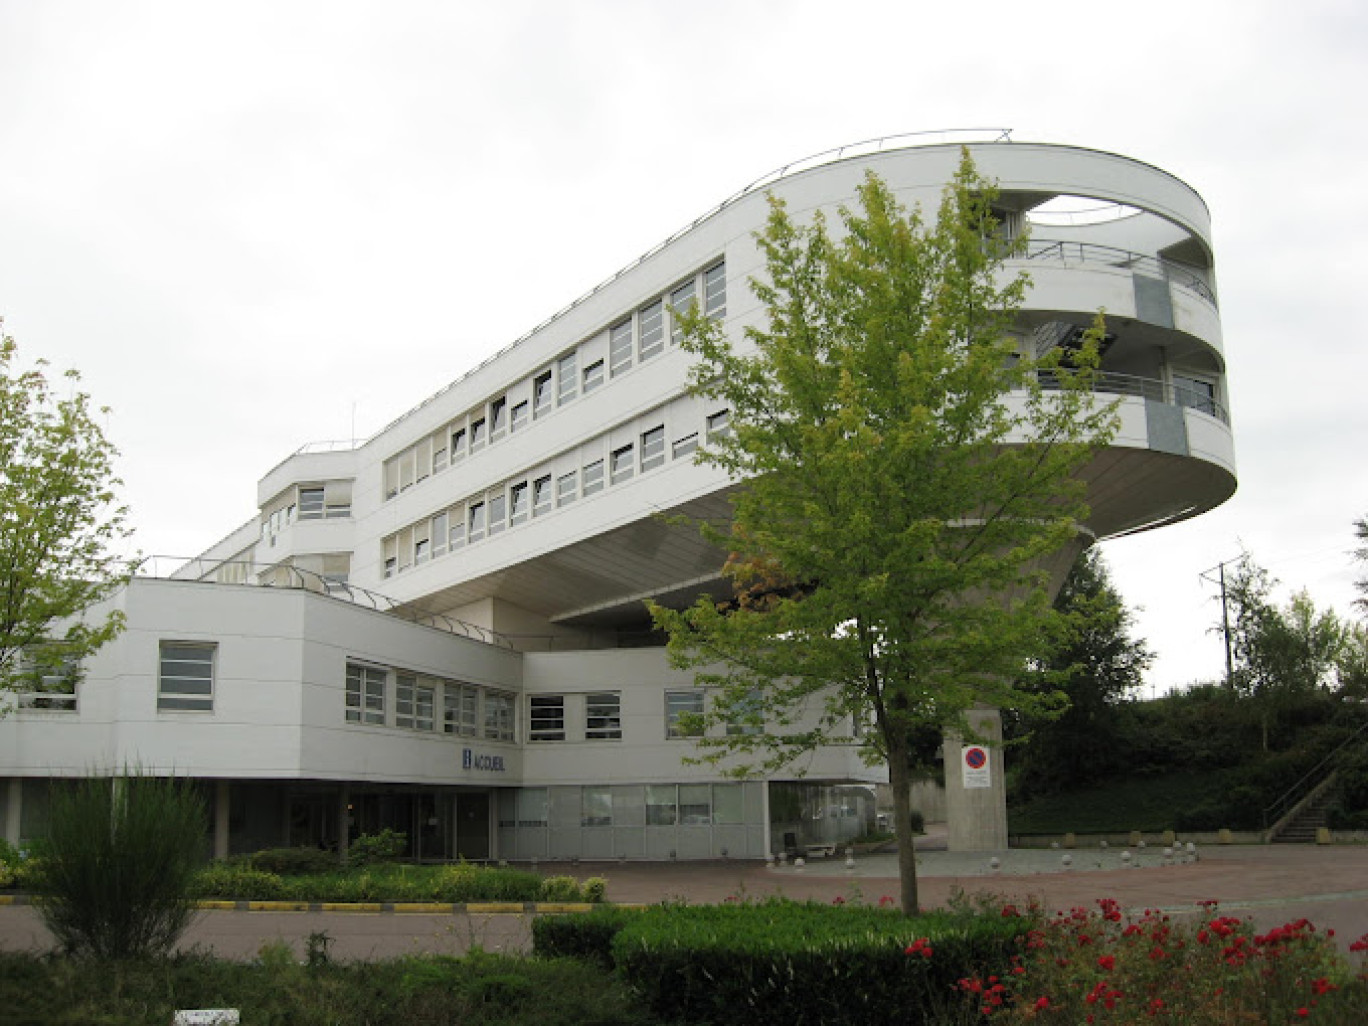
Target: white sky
[256,224]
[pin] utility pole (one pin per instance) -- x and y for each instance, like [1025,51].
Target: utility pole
[1220,582]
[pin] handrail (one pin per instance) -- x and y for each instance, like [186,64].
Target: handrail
[1090,252]
[261,575]
[1149,388]
[1284,804]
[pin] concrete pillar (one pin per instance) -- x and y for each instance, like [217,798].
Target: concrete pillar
[976,815]
[14,808]
[343,822]
[221,797]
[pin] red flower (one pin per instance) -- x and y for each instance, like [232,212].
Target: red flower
[1302,1012]
[1042,1003]
[1107,962]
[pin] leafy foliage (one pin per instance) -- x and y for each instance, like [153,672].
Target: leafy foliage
[59,521]
[1098,667]
[369,849]
[904,475]
[117,864]
[293,860]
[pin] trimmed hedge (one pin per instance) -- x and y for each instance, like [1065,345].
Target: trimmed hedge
[785,963]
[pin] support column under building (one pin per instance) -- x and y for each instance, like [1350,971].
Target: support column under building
[221,799]
[14,809]
[975,787]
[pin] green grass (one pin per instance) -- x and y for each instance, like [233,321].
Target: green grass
[1138,803]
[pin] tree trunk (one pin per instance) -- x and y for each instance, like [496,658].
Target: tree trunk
[900,780]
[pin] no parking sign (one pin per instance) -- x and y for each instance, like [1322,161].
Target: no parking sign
[976,767]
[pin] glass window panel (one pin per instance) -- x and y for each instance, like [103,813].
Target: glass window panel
[541,495]
[681,704]
[567,488]
[593,477]
[623,464]
[728,804]
[681,299]
[541,394]
[662,804]
[568,381]
[593,376]
[603,716]
[686,445]
[498,508]
[532,807]
[498,418]
[715,290]
[546,718]
[477,522]
[651,341]
[519,417]
[620,347]
[596,808]
[652,449]
[477,435]
[695,804]
[520,503]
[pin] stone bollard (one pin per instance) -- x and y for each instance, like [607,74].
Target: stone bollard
[1125,860]
[1070,840]
[995,864]
[1224,836]
[799,864]
[1323,836]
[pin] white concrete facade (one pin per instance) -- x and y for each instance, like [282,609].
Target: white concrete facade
[441,628]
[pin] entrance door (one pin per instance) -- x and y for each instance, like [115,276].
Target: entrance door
[472,825]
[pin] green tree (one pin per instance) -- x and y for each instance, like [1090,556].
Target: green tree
[1279,652]
[905,467]
[1099,666]
[59,520]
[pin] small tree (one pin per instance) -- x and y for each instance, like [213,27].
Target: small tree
[907,467]
[58,521]
[117,864]
[1099,665]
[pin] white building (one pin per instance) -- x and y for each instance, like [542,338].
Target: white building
[506,697]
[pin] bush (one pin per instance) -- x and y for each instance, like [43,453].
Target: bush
[236,881]
[790,964]
[293,861]
[370,849]
[118,864]
[583,935]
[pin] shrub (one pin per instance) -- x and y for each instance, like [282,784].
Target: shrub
[561,888]
[369,849]
[293,861]
[236,881]
[583,935]
[595,888]
[790,964]
[118,862]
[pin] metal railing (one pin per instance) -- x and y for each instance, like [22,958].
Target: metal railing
[57,701]
[1159,391]
[283,575]
[1090,253]
[1310,779]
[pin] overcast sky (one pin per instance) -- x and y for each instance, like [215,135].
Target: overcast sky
[256,224]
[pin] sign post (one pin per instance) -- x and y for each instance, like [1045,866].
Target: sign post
[977,771]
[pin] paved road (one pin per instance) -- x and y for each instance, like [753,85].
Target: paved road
[1270,884]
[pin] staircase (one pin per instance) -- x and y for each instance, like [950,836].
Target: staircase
[1301,826]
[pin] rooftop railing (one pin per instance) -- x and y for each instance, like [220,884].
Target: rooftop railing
[1159,391]
[283,575]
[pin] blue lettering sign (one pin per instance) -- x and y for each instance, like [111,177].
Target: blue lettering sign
[488,763]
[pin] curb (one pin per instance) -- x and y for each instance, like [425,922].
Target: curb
[484,908]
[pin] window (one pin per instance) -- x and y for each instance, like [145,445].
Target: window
[406,469]
[746,716]
[1195,393]
[519,420]
[532,807]
[337,510]
[686,445]
[719,424]
[458,528]
[365,694]
[695,804]
[728,804]
[662,804]
[477,522]
[498,716]
[439,534]
[477,435]
[541,394]
[715,290]
[620,347]
[391,565]
[519,503]
[461,704]
[652,449]
[541,495]
[593,376]
[683,710]
[391,484]
[651,341]
[498,507]
[422,549]
[498,418]
[546,718]
[567,488]
[623,465]
[186,680]
[567,380]
[681,299]
[603,716]
[404,686]
[311,504]
[596,806]
[593,477]
[424,707]
[439,460]
[458,444]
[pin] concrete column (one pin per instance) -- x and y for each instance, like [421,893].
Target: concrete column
[221,797]
[976,816]
[343,822]
[14,808]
